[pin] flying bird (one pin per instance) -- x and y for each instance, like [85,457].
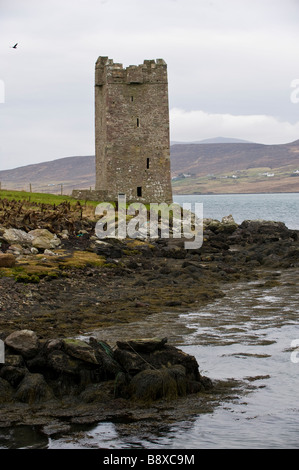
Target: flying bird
[15,46]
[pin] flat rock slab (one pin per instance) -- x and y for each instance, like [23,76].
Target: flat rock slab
[146,345]
[80,350]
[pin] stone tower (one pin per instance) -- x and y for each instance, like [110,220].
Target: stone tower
[132,131]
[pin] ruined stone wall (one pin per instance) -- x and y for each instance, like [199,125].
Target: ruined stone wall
[132,131]
[90,195]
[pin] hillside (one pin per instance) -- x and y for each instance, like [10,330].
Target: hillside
[202,159]
[235,168]
[229,167]
[71,172]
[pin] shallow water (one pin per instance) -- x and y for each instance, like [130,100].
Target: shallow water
[245,335]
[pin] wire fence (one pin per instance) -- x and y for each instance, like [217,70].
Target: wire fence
[63,189]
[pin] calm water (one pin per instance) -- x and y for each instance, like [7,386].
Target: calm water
[246,335]
[280,207]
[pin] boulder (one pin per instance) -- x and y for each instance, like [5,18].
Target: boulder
[15,236]
[228,219]
[7,260]
[74,363]
[33,389]
[228,224]
[80,350]
[16,249]
[173,250]
[150,385]
[61,363]
[131,362]
[108,368]
[134,361]
[44,239]
[153,370]
[24,342]
[49,253]
[265,227]
[6,391]
[68,375]
[14,369]
[166,383]
[140,369]
[108,250]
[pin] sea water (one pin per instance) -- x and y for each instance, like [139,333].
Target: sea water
[246,335]
[282,207]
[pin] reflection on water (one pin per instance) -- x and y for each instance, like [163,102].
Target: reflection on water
[246,335]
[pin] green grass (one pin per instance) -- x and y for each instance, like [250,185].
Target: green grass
[51,199]
[41,198]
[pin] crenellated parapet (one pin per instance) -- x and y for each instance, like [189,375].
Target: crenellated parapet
[151,71]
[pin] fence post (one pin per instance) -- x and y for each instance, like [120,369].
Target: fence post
[2,352]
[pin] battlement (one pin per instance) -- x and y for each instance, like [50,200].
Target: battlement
[151,71]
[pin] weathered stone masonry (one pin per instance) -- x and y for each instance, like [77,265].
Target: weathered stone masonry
[132,131]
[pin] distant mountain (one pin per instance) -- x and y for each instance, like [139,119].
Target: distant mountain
[214,140]
[196,159]
[71,172]
[225,168]
[202,159]
[222,140]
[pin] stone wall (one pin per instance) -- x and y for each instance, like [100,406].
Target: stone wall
[132,131]
[90,195]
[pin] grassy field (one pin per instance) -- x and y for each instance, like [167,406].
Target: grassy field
[54,200]
[42,198]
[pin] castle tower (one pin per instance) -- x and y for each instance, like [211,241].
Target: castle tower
[132,131]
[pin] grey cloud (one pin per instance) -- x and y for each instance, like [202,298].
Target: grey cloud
[235,57]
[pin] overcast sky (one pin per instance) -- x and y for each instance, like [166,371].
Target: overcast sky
[231,64]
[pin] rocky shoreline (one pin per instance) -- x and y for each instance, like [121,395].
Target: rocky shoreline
[58,284]
[79,378]
[85,283]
